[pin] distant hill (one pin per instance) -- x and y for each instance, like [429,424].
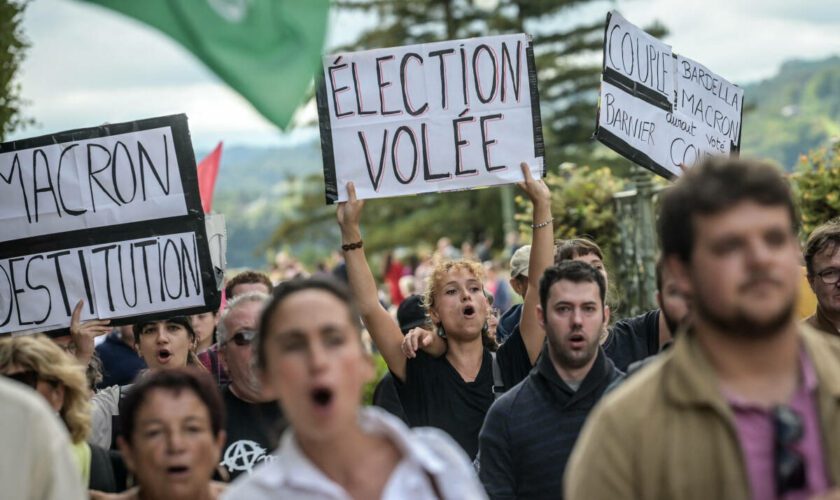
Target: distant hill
[793,112]
[254,189]
[247,168]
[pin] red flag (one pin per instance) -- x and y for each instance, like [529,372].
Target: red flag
[208,169]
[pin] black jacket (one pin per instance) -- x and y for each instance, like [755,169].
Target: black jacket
[530,431]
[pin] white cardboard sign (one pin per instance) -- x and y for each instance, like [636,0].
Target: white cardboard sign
[432,117]
[110,215]
[661,109]
[125,278]
[90,183]
[636,55]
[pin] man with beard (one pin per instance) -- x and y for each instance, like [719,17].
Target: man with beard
[632,340]
[529,432]
[822,261]
[254,420]
[674,308]
[747,403]
[674,305]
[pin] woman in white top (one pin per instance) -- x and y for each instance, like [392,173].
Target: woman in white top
[309,350]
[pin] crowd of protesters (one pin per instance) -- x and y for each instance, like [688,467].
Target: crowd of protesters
[504,381]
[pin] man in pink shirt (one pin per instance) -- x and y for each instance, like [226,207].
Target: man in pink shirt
[747,402]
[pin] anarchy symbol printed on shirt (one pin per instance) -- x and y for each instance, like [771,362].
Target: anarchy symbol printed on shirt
[243,455]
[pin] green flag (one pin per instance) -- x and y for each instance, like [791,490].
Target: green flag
[267,50]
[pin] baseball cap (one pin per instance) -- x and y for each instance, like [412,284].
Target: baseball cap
[411,313]
[519,262]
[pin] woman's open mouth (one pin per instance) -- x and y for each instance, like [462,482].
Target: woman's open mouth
[322,398]
[164,355]
[178,471]
[469,311]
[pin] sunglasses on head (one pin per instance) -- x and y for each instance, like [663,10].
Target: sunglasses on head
[242,337]
[789,463]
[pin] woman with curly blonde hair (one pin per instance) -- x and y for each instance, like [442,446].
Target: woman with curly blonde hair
[38,362]
[453,390]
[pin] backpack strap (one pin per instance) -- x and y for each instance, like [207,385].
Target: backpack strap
[498,384]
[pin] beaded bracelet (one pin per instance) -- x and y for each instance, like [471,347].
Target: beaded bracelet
[542,224]
[352,246]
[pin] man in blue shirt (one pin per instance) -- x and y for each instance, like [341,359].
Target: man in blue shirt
[530,431]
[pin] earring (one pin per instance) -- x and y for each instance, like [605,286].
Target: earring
[440,331]
[485,330]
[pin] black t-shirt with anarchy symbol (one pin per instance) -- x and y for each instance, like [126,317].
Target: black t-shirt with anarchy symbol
[253,432]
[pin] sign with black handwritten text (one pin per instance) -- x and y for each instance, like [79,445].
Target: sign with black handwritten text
[432,117]
[660,109]
[108,214]
[708,99]
[89,183]
[638,60]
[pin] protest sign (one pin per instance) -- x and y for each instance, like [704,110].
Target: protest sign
[661,109]
[637,61]
[108,214]
[432,117]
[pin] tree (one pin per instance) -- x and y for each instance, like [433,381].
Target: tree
[12,48]
[816,183]
[582,204]
[405,22]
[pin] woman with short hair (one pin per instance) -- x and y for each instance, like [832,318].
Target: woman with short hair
[451,385]
[172,436]
[163,345]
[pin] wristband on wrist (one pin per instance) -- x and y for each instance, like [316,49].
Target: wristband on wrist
[352,246]
[542,224]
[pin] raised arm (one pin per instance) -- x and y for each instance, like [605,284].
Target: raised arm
[83,333]
[542,256]
[382,327]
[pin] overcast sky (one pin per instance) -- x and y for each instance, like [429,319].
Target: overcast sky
[87,65]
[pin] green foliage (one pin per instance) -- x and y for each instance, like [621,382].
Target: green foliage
[405,221]
[305,227]
[794,112]
[381,370]
[12,48]
[582,204]
[817,186]
[258,189]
